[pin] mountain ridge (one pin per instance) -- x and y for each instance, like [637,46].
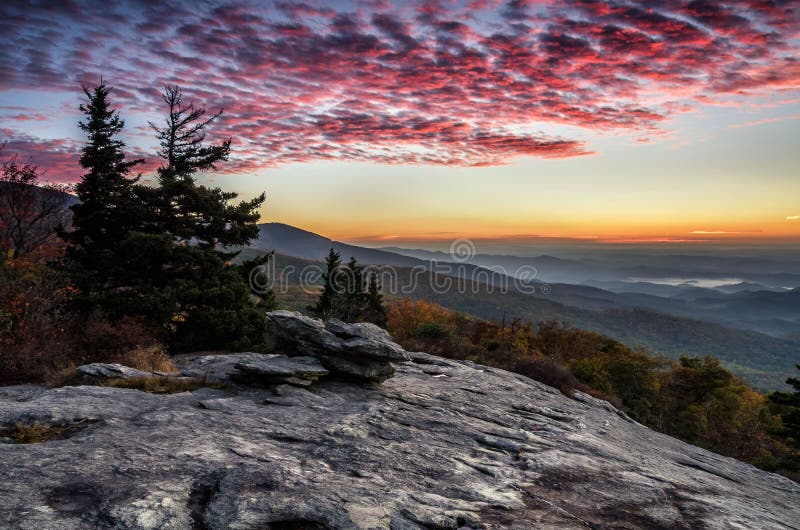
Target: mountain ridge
[630,319]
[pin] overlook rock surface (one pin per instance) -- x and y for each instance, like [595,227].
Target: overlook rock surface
[441,445]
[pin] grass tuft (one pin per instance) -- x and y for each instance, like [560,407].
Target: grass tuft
[164,385]
[151,358]
[32,433]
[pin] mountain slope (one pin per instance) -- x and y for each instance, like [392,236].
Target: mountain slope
[300,243]
[763,360]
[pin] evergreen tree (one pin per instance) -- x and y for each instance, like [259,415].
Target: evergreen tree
[329,303]
[354,298]
[192,287]
[158,252]
[348,295]
[376,309]
[180,207]
[108,209]
[788,406]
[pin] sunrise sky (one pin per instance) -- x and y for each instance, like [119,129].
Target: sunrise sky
[385,121]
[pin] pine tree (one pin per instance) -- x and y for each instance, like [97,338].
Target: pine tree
[354,298]
[191,286]
[329,303]
[158,252]
[376,310]
[108,209]
[187,211]
[348,295]
[788,405]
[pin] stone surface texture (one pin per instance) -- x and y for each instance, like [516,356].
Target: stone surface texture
[442,445]
[257,369]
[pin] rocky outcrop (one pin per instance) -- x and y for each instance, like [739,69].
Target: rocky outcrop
[311,349]
[442,445]
[362,351]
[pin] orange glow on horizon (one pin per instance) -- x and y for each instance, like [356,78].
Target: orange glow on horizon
[785,232]
[689,237]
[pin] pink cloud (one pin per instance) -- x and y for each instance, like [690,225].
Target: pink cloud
[58,158]
[427,82]
[764,121]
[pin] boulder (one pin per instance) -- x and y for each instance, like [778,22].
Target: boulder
[255,369]
[363,351]
[100,371]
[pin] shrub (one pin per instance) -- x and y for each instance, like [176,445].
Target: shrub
[47,344]
[36,360]
[550,373]
[432,330]
[406,315]
[102,339]
[33,325]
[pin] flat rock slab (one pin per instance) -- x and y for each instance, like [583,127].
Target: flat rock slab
[443,445]
[252,368]
[99,371]
[279,368]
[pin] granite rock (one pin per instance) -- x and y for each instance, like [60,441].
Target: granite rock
[443,444]
[362,351]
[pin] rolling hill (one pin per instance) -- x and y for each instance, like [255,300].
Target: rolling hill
[763,360]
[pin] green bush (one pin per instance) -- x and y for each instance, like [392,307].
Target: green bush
[432,330]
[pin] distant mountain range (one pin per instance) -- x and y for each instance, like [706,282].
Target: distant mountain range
[670,320]
[776,271]
[746,305]
[675,286]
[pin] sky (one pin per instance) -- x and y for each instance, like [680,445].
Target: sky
[668,122]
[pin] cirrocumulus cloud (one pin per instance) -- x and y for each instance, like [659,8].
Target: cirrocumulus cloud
[468,84]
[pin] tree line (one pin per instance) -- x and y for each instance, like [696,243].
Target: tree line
[157,251]
[349,294]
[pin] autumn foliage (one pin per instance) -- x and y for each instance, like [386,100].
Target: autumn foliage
[40,337]
[696,400]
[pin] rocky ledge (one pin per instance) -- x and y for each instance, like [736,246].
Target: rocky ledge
[441,445]
[362,351]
